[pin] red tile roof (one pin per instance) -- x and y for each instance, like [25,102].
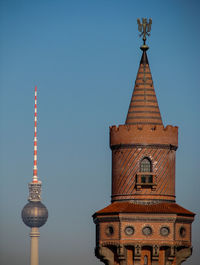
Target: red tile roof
[129,207]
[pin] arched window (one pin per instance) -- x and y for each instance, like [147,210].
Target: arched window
[145,166]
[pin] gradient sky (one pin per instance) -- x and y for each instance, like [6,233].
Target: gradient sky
[84,56]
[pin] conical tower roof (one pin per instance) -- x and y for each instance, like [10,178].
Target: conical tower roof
[144,107]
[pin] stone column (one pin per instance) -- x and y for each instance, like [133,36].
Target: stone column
[137,256]
[155,255]
[34,256]
[121,255]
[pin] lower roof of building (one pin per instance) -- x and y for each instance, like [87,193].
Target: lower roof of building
[130,207]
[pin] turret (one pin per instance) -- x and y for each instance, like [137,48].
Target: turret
[143,225]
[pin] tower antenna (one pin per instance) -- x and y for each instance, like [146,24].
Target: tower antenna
[35,176]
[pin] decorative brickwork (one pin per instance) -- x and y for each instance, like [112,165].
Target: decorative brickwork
[126,167]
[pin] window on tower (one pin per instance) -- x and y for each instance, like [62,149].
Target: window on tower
[145,166]
[145,177]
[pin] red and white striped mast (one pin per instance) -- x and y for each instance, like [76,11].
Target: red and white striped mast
[35,176]
[35,185]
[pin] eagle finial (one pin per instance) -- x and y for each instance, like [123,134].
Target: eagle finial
[144,28]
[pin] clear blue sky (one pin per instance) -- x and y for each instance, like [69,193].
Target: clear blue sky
[84,56]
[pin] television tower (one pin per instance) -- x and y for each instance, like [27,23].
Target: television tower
[34,213]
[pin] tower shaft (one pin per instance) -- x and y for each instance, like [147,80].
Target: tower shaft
[34,251]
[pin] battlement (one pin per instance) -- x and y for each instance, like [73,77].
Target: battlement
[143,134]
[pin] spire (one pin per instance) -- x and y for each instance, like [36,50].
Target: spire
[144,107]
[35,177]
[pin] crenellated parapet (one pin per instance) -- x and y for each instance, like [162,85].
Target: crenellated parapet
[143,135]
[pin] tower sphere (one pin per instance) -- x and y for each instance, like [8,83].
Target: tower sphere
[34,214]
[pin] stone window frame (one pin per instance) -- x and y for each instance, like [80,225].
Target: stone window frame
[109,233]
[182,231]
[147,226]
[164,226]
[129,226]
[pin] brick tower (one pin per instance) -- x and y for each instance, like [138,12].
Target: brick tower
[143,225]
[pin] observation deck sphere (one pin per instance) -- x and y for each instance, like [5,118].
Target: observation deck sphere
[34,214]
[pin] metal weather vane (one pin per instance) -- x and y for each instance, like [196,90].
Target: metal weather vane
[144,28]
